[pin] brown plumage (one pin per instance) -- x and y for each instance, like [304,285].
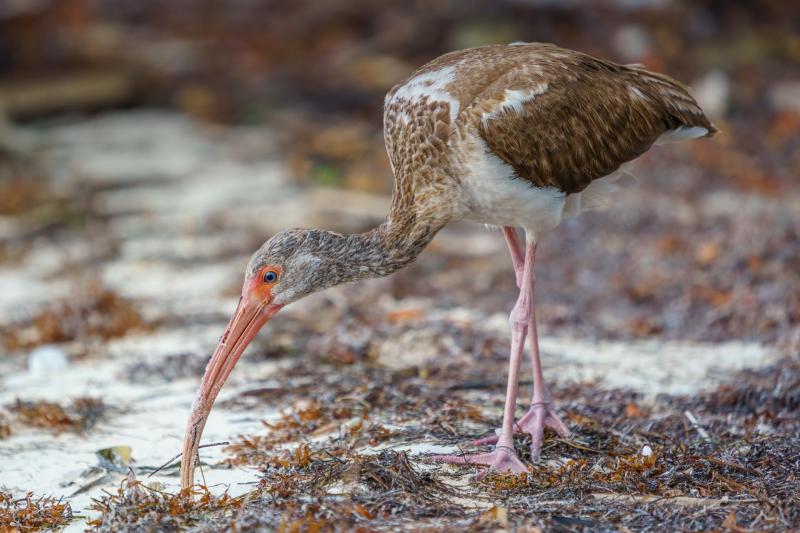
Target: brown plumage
[516,136]
[586,118]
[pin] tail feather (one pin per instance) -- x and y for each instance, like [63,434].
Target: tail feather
[683,133]
[683,117]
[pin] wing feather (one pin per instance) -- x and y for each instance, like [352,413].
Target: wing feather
[563,119]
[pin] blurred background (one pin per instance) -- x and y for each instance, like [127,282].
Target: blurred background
[148,147]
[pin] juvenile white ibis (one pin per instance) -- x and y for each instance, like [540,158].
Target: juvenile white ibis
[518,136]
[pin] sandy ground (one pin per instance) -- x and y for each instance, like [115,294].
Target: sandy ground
[175,209]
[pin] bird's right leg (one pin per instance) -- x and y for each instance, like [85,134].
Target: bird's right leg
[503,458]
[541,413]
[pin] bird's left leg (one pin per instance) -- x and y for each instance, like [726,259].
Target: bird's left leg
[503,458]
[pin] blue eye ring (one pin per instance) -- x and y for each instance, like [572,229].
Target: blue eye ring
[270,276]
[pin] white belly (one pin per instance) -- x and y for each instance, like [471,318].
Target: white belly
[495,196]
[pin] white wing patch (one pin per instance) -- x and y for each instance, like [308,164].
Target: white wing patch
[514,101]
[431,85]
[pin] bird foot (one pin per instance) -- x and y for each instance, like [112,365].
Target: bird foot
[539,416]
[501,459]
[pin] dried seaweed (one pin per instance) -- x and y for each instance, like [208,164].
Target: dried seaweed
[81,415]
[634,462]
[21,192]
[5,427]
[139,507]
[98,313]
[30,513]
[382,489]
[397,486]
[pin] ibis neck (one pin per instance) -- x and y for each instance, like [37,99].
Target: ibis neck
[390,247]
[379,252]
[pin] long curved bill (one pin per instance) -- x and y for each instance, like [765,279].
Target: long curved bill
[246,321]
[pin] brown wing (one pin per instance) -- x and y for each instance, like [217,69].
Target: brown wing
[564,119]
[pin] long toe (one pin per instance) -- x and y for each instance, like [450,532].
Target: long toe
[556,424]
[539,416]
[499,460]
[485,441]
[485,459]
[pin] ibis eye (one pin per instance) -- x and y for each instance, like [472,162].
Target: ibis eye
[270,276]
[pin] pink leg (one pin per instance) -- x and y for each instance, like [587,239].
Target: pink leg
[514,248]
[503,458]
[540,414]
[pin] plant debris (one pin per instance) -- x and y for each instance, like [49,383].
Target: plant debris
[20,194]
[5,427]
[139,507]
[30,513]
[634,463]
[98,312]
[81,415]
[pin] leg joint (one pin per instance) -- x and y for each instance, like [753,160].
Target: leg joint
[520,316]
